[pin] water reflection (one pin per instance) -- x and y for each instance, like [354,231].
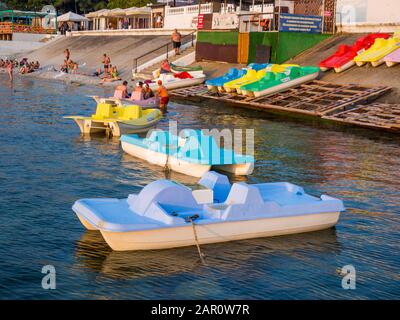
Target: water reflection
[92,252]
[46,165]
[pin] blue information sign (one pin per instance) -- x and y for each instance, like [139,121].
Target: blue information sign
[300,23]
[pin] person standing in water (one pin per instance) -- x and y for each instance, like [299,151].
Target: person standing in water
[10,67]
[176,41]
[164,97]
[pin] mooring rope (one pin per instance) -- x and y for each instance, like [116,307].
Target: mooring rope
[166,166]
[201,254]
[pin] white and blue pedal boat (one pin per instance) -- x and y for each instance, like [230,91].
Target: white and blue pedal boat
[166,214]
[192,153]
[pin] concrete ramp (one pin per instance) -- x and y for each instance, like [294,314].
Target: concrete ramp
[89,50]
[365,76]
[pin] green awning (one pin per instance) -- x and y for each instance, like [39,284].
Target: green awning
[21,14]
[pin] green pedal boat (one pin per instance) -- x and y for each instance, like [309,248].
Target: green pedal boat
[274,82]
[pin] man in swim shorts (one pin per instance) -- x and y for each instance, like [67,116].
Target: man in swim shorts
[106,63]
[176,41]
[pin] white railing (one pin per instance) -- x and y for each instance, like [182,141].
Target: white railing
[204,8]
[230,8]
[267,8]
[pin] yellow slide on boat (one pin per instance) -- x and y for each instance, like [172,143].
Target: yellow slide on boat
[280,67]
[380,49]
[250,77]
[118,119]
[254,76]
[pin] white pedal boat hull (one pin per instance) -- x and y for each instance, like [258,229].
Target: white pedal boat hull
[218,232]
[344,67]
[377,63]
[282,87]
[181,166]
[160,215]
[361,63]
[391,63]
[115,128]
[179,83]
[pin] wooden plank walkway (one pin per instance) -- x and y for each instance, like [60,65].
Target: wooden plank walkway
[341,103]
[376,116]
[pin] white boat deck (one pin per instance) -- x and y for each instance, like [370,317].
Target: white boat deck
[281,194]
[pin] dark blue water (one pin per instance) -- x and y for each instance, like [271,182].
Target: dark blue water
[45,165]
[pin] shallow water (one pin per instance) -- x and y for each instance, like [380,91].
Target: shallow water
[45,165]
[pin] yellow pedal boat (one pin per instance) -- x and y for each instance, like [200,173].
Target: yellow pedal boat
[378,51]
[253,76]
[118,120]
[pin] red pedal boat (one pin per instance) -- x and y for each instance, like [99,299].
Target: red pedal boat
[342,59]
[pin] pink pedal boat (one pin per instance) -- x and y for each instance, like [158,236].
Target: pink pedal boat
[136,99]
[392,58]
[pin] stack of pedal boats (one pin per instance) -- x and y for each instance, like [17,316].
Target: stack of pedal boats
[262,79]
[374,49]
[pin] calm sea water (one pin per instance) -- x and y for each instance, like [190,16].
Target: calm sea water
[45,165]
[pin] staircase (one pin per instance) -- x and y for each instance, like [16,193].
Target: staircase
[147,73]
[146,64]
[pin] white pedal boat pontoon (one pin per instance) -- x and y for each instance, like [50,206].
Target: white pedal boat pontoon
[170,81]
[161,215]
[192,153]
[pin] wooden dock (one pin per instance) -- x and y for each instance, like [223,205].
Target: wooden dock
[375,115]
[335,102]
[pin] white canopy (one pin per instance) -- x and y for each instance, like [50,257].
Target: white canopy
[71,17]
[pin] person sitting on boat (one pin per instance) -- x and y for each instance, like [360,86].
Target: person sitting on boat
[148,93]
[164,97]
[165,67]
[121,91]
[139,88]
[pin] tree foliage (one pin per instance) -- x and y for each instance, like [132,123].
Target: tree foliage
[82,6]
[123,4]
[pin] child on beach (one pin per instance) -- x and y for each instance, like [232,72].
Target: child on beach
[164,97]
